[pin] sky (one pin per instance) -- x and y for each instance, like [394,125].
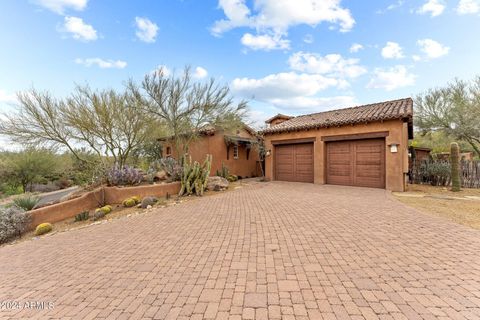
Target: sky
[283,56]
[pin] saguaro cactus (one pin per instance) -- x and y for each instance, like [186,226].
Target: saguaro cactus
[195,176]
[455,166]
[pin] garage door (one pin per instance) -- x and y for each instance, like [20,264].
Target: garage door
[294,162]
[356,163]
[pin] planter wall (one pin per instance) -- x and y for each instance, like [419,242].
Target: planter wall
[94,199]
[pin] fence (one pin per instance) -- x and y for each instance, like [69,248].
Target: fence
[437,173]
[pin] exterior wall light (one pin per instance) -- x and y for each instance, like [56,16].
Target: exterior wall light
[268,153]
[394,148]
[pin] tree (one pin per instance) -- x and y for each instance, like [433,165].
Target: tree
[454,110]
[106,121]
[186,106]
[29,166]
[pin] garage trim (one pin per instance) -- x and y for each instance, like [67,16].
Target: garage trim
[358,136]
[293,141]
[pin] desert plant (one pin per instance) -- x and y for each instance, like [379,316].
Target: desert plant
[128,203]
[232,178]
[105,209]
[13,222]
[195,176]
[171,167]
[123,176]
[223,172]
[27,203]
[43,228]
[98,215]
[82,216]
[438,172]
[455,166]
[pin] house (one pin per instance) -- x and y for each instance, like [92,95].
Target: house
[363,146]
[418,154]
[236,150]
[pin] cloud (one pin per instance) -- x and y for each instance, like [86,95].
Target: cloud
[101,63]
[468,7]
[59,6]
[79,29]
[356,47]
[432,7]
[279,15]
[146,30]
[432,48]
[392,50]
[7,98]
[308,38]
[333,65]
[166,71]
[392,6]
[264,42]
[391,78]
[200,73]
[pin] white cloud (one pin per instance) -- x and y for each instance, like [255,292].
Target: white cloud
[392,6]
[432,7]
[7,98]
[392,50]
[101,63]
[468,7]
[59,6]
[200,73]
[146,29]
[432,48]
[279,15]
[391,78]
[264,42]
[166,71]
[333,65]
[308,38]
[356,47]
[79,29]
[416,57]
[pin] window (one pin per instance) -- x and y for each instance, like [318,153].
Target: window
[169,151]
[235,152]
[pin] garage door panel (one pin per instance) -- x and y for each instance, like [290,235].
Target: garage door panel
[356,163]
[294,162]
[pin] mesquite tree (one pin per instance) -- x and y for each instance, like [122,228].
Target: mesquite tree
[455,166]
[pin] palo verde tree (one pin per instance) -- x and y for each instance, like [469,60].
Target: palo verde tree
[453,110]
[107,122]
[186,106]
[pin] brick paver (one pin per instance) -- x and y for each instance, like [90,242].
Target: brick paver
[266,251]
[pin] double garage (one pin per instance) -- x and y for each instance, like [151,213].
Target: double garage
[347,162]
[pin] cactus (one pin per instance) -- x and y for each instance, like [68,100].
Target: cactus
[455,166]
[195,176]
[130,202]
[82,216]
[105,209]
[43,228]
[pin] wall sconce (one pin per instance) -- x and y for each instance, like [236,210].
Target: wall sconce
[268,153]
[394,147]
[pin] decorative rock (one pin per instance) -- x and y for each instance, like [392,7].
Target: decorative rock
[149,207]
[98,215]
[217,183]
[161,175]
[148,201]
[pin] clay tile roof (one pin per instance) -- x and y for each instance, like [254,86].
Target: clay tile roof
[278,116]
[387,110]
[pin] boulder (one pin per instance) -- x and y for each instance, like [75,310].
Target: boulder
[148,201]
[161,175]
[217,183]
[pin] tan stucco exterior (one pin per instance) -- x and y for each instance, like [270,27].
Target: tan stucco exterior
[396,163]
[215,145]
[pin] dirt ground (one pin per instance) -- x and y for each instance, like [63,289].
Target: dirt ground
[461,207]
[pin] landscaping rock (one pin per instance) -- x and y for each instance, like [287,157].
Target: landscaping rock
[98,215]
[148,201]
[217,183]
[161,175]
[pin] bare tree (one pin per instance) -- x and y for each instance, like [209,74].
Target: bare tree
[186,106]
[106,121]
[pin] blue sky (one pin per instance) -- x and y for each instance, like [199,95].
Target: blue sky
[288,56]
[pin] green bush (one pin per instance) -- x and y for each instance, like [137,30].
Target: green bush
[43,228]
[223,172]
[27,203]
[82,216]
[232,178]
[13,222]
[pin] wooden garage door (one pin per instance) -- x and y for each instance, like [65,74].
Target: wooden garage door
[356,163]
[294,162]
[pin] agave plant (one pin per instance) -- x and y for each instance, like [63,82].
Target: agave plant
[27,203]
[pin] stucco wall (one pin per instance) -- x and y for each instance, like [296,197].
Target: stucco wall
[396,163]
[215,145]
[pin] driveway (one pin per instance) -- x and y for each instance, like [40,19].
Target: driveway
[266,251]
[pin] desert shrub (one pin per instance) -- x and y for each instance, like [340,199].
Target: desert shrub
[171,166]
[64,183]
[82,216]
[13,222]
[224,172]
[129,202]
[436,172]
[43,228]
[27,203]
[98,214]
[232,178]
[123,176]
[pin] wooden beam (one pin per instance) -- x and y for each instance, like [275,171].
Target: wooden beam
[357,136]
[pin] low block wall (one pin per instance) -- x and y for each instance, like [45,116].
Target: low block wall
[94,199]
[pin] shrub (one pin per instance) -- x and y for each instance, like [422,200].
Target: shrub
[82,216]
[43,228]
[129,202]
[13,222]
[99,214]
[27,203]
[171,166]
[224,172]
[232,178]
[123,176]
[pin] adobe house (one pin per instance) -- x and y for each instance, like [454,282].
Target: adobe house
[237,150]
[364,146]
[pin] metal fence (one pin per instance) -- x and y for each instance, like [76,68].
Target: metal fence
[437,173]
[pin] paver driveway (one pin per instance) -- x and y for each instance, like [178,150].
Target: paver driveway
[267,251]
